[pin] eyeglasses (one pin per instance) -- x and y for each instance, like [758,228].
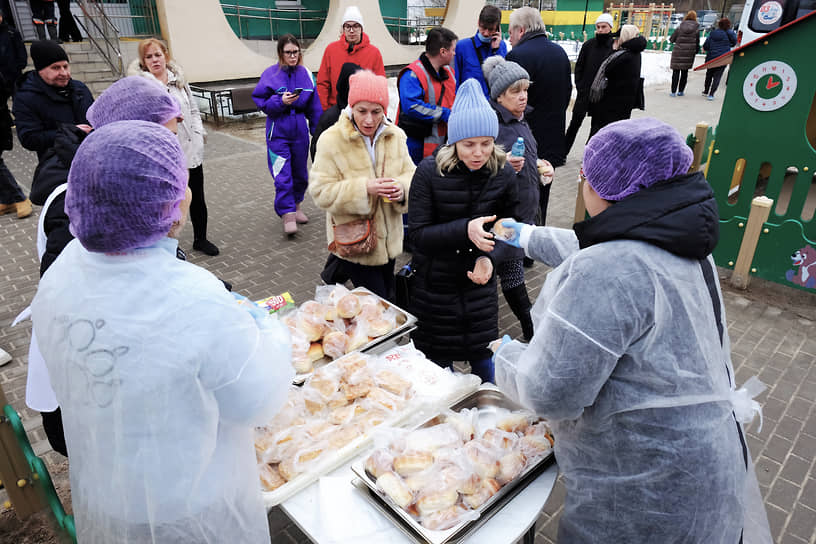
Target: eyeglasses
[354,27]
[294,53]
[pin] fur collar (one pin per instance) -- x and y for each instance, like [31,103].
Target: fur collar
[176,76]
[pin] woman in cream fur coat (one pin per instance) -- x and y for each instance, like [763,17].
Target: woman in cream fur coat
[362,169]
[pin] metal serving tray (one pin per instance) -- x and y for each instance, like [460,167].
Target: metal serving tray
[488,399]
[405,324]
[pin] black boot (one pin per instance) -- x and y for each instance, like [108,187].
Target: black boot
[520,304]
[39,28]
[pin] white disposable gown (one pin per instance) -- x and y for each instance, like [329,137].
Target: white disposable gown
[627,365]
[161,377]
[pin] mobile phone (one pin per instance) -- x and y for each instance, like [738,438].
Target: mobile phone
[297,91]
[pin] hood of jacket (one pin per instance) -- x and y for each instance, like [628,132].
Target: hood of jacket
[688,27]
[679,215]
[635,45]
[351,49]
[135,69]
[53,168]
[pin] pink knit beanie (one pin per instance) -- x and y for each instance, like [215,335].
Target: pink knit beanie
[367,86]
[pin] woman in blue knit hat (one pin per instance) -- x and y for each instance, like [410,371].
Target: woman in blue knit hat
[630,359]
[456,195]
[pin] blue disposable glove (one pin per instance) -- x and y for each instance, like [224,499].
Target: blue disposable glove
[504,341]
[515,227]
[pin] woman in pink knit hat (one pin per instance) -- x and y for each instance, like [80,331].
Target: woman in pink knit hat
[362,170]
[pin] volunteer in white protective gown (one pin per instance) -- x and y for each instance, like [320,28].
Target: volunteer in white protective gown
[161,375]
[630,359]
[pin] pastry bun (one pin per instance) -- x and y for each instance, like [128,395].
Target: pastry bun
[348,306]
[393,486]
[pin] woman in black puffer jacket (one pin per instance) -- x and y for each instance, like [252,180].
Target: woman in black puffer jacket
[622,72]
[456,195]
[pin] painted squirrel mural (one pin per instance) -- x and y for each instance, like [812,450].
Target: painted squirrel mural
[805,259]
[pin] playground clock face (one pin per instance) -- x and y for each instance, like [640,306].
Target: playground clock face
[769,86]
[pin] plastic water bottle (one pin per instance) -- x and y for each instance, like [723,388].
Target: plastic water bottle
[518,148]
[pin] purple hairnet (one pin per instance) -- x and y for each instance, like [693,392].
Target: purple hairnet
[133,98]
[125,185]
[630,155]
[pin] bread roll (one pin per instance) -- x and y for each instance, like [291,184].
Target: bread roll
[501,232]
[510,466]
[482,458]
[500,439]
[324,385]
[348,306]
[444,519]
[412,462]
[395,488]
[302,365]
[379,462]
[487,489]
[315,352]
[334,344]
[534,445]
[344,435]
[435,501]
[514,423]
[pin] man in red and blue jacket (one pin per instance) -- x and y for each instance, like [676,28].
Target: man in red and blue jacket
[427,87]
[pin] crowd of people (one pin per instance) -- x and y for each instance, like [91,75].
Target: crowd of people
[618,353]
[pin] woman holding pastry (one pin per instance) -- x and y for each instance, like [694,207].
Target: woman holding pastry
[160,373]
[456,195]
[630,361]
[360,176]
[508,83]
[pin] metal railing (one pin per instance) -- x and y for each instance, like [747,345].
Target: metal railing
[270,23]
[411,30]
[102,34]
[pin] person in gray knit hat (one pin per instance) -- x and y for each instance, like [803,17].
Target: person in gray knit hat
[508,83]
[456,195]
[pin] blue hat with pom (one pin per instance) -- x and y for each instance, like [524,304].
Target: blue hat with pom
[471,114]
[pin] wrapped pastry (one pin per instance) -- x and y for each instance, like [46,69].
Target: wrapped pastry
[351,363]
[359,387]
[379,462]
[323,384]
[348,306]
[315,352]
[541,430]
[311,326]
[270,477]
[534,445]
[421,480]
[393,486]
[313,401]
[392,382]
[343,435]
[412,462]
[487,489]
[302,364]
[328,295]
[510,466]
[344,414]
[308,454]
[334,344]
[371,418]
[463,422]
[317,428]
[287,470]
[356,337]
[500,439]
[438,499]
[516,422]
[337,400]
[483,458]
[465,481]
[500,232]
[385,399]
[375,321]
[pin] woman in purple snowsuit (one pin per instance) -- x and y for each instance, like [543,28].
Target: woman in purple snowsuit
[286,94]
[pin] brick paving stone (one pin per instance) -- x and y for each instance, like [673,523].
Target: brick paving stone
[783,494]
[802,521]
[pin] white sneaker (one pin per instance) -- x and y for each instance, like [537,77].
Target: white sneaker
[4,357]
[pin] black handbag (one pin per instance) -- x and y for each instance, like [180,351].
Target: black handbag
[403,280]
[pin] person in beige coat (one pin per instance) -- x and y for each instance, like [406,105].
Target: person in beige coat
[362,169]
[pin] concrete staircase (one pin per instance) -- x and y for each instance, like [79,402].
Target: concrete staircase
[87,66]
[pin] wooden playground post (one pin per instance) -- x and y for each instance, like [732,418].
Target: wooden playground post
[760,209]
[14,470]
[580,205]
[699,143]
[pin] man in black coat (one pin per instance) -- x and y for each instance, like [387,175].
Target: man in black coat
[13,58]
[549,93]
[593,53]
[47,97]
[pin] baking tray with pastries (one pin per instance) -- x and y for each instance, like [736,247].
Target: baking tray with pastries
[339,321]
[447,476]
[330,418]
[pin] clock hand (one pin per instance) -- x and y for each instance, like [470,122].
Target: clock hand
[771,83]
